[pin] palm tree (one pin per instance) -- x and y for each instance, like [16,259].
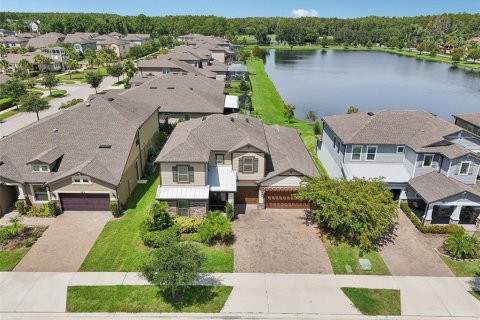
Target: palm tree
[25,65]
[71,65]
[459,244]
[3,51]
[4,65]
[289,111]
[42,60]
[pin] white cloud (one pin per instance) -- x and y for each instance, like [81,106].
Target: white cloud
[298,13]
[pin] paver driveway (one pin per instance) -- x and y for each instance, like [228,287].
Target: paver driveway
[409,254]
[278,241]
[66,243]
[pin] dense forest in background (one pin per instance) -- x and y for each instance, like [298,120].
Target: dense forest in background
[451,28]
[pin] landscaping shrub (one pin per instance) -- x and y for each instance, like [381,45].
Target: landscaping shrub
[317,129]
[6,103]
[438,229]
[157,217]
[187,224]
[70,103]
[156,239]
[14,228]
[20,206]
[195,237]
[215,227]
[48,209]
[114,208]
[461,245]
[230,211]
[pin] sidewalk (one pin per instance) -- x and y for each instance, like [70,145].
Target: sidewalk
[259,293]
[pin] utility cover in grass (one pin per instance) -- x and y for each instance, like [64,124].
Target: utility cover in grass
[375,301]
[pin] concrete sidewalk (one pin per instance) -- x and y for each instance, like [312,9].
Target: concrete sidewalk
[259,293]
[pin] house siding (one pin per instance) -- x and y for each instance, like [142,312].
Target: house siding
[410,158]
[175,116]
[471,177]
[226,156]
[385,154]
[249,176]
[283,181]
[200,177]
[327,142]
[8,195]
[464,124]
[420,169]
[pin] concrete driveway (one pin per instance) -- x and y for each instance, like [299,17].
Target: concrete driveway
[278,241]
[409,253]
[66,243]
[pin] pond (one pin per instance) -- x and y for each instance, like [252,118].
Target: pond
[329,81]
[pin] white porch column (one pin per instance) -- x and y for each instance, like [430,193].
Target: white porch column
[455,217]
[231,197]
[21,193]
[427,218]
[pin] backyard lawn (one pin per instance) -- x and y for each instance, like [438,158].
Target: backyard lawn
[9,259]
[145,299]
[375,301]
[268,105]
[342,254]
[463,268]
[120,248]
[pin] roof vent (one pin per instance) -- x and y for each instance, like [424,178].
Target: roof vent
[170,88]
[153,87]
[204,118]
[105,146]
[370,113]
[2,163]
[87,104]
[110,99]
[191,88]
[55,130]
[232,120]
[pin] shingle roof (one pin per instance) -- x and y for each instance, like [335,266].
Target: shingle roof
[14,58]
[181,93]
[193,140]
[168,62]
[473,118]
[112,40]
[136,36]
[79,131]
[78,38]
[435,186]
[4,78]
[42,41]
[12,38]
[416,129]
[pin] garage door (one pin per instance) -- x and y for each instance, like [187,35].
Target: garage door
[283,199]
[246,195]
[85,201]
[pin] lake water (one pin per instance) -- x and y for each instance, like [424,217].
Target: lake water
[328,82]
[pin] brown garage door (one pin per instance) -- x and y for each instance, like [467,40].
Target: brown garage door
[85,201]
[246,195]
[283,199]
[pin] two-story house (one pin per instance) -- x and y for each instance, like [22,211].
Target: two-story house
[424,159]
[211,160]
[81,41]
[469,122]
[82,159]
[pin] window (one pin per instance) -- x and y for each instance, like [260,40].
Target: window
[400,149]
[183,174]
[186,116]
[371,153]
[81,180]
[356,153]
[183,208]
[464,167]
[40,168]
[247,165]
[428,160]
[40,193]
[220,158]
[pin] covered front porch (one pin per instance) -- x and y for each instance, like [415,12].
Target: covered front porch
[222,182]
[463,213]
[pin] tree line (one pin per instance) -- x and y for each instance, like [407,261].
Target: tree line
[444,28]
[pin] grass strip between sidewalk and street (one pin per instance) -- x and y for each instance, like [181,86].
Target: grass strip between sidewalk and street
[9,259]
[375,302]
[8,114]
[145,298]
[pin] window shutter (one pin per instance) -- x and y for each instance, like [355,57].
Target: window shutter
[457,168]
[240,164]
[255,165]
[174,174]
[191,174]
[420,160]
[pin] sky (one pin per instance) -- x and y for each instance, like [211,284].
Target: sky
[249,8]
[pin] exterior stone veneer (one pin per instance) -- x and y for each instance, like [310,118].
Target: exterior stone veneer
[198,208]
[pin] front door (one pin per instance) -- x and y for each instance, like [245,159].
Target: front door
[183,208]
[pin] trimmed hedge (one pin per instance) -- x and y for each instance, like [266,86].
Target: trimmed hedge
[156,239]
[439,229]
[187,224]
[6,103]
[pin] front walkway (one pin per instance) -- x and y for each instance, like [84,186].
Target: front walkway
[408,253]
[278,241]
[277,294]
[66,243]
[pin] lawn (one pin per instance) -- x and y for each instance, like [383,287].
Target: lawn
[7,114]
[342,254]
[476,294]
[120,248]
[80,75]
[375,301]
[234,89]
[268,105]
[9,259]
[463,268]
[55,94]
[145,299]
[5,103]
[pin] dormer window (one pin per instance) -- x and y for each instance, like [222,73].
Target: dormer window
[40,168]
[81,180]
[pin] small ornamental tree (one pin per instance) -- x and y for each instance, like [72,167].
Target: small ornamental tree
[358,212]
[352,109]
[369,44]
[324,42]
[288,112]
[311,116]
[34,104]
[421,46]
[129,68]
[14,89]
[72,65]
[173,266]
[474,54]
[50,81]
[317,129]
[157,217]
[115,70]
[257,52]
[94,79]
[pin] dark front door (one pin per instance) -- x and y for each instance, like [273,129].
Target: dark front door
[85,201]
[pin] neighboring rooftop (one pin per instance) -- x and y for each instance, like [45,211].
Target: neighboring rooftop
[473,118]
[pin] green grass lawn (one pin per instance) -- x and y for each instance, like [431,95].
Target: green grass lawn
[9,259]
[5,103]
[268,103]
[8,114]
[463,268]
[80,76]
[375,301]
[120,247]
[55,94]
[476,294]
[343,254]
[145,299]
